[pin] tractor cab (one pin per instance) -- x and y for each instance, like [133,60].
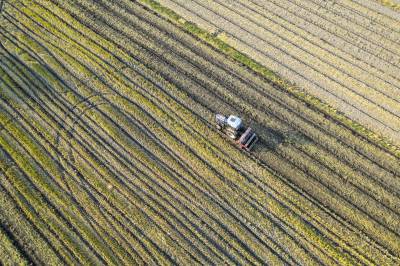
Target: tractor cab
[233,126]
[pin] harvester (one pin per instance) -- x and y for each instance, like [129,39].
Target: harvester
[233,127]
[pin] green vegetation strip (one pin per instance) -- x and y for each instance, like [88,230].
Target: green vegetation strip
[273,77]
[390,4]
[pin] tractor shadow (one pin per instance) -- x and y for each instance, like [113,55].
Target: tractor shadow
[270,139]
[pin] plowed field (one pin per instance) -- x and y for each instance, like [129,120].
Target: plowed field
[109,155]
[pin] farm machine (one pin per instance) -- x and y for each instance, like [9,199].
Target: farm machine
[233,127]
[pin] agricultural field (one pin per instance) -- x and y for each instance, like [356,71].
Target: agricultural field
[346,52]
[109,153]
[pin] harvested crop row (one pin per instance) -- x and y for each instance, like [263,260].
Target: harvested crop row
[362,34]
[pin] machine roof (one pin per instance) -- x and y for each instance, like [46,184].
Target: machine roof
[234,121]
